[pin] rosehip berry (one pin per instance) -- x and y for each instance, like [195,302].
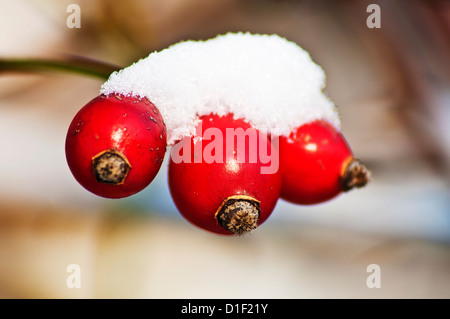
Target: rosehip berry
[317,164]
[115,145]
[217,185]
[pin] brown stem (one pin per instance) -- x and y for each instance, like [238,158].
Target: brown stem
[110,167]
[239,214]
[355,175]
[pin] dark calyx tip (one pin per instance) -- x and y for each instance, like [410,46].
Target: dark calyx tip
[355,175]
[110,167]
[239,214]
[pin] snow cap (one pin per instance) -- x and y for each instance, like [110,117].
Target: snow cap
[267,80]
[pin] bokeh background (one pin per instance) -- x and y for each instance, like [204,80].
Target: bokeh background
[392,89]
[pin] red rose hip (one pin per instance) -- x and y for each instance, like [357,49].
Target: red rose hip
[115,145]
[216,181]
[317,164]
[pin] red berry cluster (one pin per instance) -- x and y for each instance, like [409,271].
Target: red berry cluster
[116,144]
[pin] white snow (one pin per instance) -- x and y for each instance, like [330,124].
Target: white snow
[265,79]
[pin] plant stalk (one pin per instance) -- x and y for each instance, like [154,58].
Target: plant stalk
[72,64]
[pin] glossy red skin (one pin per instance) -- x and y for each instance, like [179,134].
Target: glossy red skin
[125,124]
[312,160]
[198,189]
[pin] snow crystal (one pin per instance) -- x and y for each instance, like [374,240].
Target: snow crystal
[265,79]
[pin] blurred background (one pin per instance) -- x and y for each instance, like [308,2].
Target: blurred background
[391,85]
